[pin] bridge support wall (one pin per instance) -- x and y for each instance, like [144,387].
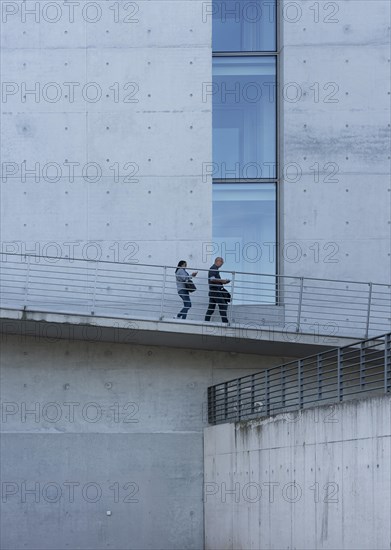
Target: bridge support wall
[101,443]
[314,480]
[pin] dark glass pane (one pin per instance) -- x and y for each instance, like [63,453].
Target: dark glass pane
[244,117]
[243,25]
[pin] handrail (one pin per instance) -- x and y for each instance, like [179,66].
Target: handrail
[266,301]
[354,371]
[137,264]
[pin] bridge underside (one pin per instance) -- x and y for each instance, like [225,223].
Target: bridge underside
[185,334]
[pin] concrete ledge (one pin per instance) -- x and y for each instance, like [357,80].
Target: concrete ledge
[184,334]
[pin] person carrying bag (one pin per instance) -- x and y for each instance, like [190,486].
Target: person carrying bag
[218,295]
[184,285]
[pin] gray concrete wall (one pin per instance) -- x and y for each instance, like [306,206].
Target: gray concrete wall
[335,139]
[316,479]
[114,428]
[138,192]
[117,91]
[147,65]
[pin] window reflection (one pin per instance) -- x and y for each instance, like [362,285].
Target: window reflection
[243,25]
[244,117]
[244,225]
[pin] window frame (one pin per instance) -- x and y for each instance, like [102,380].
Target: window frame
[277,180]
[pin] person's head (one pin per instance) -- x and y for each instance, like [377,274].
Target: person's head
[181,264]
[219,261]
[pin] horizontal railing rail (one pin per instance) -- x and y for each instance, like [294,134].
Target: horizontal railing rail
[350,372]
[262,301]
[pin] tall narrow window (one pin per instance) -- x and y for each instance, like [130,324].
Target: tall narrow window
[244,116]
[245,135]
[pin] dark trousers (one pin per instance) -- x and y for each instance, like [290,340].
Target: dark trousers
[216,299]
[184,294]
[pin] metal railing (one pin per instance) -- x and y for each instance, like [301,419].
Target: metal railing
[345,373]
[260,301]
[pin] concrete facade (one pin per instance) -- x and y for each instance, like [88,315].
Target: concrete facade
[99,427]
[118,90]
[316,479]
[107,134]
[122,90]
[335,139]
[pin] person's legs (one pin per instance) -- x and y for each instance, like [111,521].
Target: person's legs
[211,307]
[223,307]
[184,294]
[187,304]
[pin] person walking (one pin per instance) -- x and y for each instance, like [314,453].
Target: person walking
[182,277]
[216,291]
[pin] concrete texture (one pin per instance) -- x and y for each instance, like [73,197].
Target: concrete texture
[148,136]
[100,427]
[336,137]
[316,479]
[151,139]
[248,339]
[134,114]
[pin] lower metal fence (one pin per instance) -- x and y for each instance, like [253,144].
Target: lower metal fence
[345,373]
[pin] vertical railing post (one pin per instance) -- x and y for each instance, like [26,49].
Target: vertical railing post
[238,398]
[387,363]
[27,282]
[267,393]
[300,382]
[230,308]
[209,393]
[368,310]
[300,302]
[362,366]
[94,289]
[252,400]
[225,400]
[278,295]
[163,292]
[339,374]
[319,364]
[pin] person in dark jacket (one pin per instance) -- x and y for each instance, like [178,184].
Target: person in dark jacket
[182,277]
[216,291]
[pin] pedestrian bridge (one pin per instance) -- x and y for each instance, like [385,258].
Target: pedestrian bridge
[138,303]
